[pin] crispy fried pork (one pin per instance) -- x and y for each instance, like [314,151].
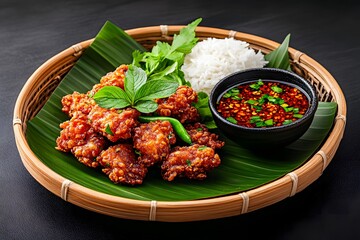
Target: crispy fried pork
[112,123]
[193,162]
[120,163]
[153,141]
[179,105]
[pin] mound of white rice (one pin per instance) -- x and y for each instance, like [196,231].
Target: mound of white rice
[212,59]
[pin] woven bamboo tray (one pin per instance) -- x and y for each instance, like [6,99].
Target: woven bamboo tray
[46,78]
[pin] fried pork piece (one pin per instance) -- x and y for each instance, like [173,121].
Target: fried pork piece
[115,78]
[120,164]
[76,102]
[79,138]
[201,135]
[73,133]
[114,124]
[193,162]
[178,105]
[153,140]
[88,152]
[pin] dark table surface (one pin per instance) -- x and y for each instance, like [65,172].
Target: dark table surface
[329,32]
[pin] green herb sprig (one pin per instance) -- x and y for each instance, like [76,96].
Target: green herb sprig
[165,60]
[138,92]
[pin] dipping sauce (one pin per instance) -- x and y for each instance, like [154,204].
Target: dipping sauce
[263,103]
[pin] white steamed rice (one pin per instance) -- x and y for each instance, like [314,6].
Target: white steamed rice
[212,59]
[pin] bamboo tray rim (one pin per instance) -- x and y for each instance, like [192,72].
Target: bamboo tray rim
[202,209]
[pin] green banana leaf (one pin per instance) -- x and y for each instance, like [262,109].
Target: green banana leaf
[241,169]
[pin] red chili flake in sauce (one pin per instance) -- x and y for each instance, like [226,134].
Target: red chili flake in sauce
[263,104]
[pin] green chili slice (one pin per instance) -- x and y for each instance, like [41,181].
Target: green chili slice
[269,122]
[252,102]
[276,89]
[176,124]
[232,120]
[288,121]
[255,119]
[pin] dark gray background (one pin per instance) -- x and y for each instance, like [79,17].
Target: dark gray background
[32,32]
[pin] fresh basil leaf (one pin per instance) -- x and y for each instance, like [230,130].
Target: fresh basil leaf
[112,103]
[111,97]
[135,77]
[156,89]
[279,58]
[147,106]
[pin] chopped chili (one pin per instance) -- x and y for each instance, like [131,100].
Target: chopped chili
[263,104]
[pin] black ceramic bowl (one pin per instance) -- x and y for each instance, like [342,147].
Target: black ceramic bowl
[267,136]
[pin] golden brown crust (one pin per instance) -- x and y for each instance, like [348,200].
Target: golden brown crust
[87,153]
[73,134]
[78,137]
[77,102]
[201,135]
[114,124]
[179,105]
[120,164]
[153,141]
[193,162]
